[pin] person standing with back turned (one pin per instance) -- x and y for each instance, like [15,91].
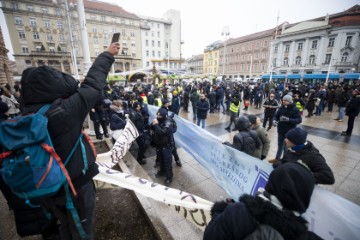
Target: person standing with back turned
[70,104]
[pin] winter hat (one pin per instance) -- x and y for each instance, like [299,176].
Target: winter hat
[242,123]
[164,101]
[46,84]
[293,184]
[288,98]
[135,105]
[252,119]
[163,112]
[297,136]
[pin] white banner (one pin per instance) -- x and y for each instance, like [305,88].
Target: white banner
[330,216]
[193,208]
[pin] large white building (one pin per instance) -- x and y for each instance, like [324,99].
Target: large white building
[161,41]
[327,44]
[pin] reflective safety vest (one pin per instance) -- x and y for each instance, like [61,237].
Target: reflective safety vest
[159,102]
[298,105]
[144,99]
[234,108]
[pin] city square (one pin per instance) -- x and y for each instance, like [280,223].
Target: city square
[211,130]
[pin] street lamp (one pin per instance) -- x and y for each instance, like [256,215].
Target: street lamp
[225,33]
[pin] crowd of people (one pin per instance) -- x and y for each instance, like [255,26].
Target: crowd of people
[283,106]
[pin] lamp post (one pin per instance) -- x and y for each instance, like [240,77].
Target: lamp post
[328,72]
[225,33]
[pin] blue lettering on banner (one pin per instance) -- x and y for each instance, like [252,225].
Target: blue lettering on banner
[238,173]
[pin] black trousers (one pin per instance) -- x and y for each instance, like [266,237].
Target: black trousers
[165,157]
[350,123]
[268,117]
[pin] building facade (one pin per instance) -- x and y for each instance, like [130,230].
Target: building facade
[161,41]
[6,75]
[211,59]
[195,64]
[40,34]
[330,43]
[247,56]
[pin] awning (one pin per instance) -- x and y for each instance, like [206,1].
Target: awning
[352,76]
[274,76]
[293,76]
[322,76]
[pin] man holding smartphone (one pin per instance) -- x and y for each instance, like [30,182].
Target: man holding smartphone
[73,103]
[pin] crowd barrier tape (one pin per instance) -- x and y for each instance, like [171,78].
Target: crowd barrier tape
[329,215]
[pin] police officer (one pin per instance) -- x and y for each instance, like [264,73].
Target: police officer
[163,135]
[234,110]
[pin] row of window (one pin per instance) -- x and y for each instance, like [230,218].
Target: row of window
[153,53]
[243,67]
[249,47]
[57,11]
[152,43]
[173,65]
[314,44]
[59,25]
[152,33]
[311,61]
[249,57]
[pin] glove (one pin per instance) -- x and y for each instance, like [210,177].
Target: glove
[284,119]
[275,123]
[262,157]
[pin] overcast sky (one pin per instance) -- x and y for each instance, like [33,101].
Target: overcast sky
[203,20]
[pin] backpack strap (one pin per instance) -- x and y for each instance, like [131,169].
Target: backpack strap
[73,211]
[44,109]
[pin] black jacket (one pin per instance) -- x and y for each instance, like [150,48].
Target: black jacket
[163,134]
[241,219]
[293,113]
[353,107]
[246,141]
[312,158]
[202,108]
[68,112]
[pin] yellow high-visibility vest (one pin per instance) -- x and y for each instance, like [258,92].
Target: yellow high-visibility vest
[159,102]
[234,108]
[298,105]
[144,99]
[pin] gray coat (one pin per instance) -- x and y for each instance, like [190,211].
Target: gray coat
[263,150]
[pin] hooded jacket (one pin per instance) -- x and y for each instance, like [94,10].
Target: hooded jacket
[312,158]
[288,189]
[241,219]
[70,105]
[245,140]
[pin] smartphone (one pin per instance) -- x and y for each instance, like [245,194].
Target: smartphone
[115,37]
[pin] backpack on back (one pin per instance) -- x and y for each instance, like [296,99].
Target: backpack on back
[30,166]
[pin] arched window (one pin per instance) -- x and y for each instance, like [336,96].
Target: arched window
[312,59]
[344,57]
[298,60]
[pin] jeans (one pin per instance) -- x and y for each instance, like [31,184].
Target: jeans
[319,108]
[281,146]
[220,102]
[202,122]
[341,113]
[194,112]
